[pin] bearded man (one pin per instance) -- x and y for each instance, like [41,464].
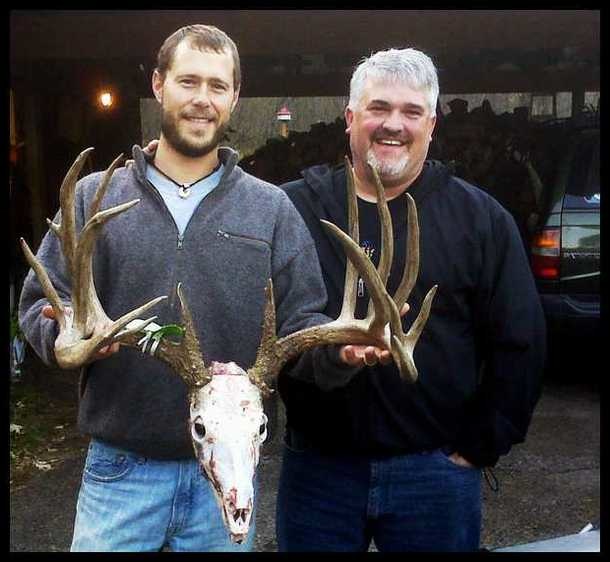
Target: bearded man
[221,233]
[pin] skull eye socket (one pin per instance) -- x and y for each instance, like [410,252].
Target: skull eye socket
[262,428]
[199,429]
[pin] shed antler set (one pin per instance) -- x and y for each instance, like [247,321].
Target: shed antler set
[226,421]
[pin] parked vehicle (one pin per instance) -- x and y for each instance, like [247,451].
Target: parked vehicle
[565,249]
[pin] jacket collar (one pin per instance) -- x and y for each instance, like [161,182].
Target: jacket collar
[226,155]
[329,184]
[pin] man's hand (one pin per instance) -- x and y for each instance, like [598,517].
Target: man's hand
[151,147]
[102,353]
[149,150]
[361,355]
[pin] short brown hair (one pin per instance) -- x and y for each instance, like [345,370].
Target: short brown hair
[203,37]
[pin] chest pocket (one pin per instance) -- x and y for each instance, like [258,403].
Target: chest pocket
[242,255]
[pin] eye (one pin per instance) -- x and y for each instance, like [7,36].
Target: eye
[199,429]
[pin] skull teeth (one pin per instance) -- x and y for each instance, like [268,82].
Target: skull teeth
[240,514]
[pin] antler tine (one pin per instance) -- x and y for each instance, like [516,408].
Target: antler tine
[84,297]
[381,316]
[409,275]
[418,325]
[351,275]
[101,190]
[46,284]
[403,345]
[189,362]
[67,230]
[265,356]
[380,301]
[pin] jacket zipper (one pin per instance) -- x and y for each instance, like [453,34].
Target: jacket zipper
[227,236]
[179,245]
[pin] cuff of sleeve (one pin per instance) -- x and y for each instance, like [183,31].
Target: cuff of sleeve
[330,371]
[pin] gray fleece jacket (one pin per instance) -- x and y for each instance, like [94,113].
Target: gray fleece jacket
[241,234]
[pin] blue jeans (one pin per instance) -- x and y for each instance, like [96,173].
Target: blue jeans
[131,503]
[416,502]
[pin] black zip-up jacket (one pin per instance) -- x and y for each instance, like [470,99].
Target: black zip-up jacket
[480,356]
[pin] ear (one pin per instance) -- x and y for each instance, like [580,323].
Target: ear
[349,117]
[235,99]
[157,86]
[431,125]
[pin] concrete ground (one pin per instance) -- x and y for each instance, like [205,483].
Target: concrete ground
[549,486]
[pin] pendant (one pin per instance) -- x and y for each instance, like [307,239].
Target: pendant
[184,191]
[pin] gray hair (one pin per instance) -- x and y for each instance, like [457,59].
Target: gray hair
[408,66]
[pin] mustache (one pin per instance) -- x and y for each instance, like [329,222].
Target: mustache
[198,115]
[381,133]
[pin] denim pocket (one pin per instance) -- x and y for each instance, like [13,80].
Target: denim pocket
[106,464]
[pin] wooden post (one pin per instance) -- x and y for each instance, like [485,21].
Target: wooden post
[578,102]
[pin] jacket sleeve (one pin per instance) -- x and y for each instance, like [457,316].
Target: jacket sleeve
[300,296]
[511,328]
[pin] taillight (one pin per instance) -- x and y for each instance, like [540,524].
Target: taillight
[546,253]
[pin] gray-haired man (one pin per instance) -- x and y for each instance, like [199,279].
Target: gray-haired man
[372,457]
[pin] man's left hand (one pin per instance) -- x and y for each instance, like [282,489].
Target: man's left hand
[367,355]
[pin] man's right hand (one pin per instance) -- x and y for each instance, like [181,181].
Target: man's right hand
[102,353]
[149,150]
[151,147]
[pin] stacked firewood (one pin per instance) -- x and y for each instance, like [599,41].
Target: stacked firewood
[511,156]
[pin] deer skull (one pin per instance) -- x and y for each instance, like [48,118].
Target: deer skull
[227,426]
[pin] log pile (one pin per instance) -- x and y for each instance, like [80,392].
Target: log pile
[511,156]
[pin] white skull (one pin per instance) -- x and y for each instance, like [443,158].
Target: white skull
[227,426]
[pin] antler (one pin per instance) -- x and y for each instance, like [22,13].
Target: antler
[383,309]
[84,327]
[183,356]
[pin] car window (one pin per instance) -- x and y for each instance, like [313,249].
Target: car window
[583,187]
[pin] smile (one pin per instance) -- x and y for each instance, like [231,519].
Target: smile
[389,142]
[201,120]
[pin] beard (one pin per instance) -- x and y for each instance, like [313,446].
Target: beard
[184,145]
[387,170]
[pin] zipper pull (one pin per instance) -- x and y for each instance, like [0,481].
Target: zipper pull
[223,234]
[180,240]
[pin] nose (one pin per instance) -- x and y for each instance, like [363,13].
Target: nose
[393,122]
[201,96]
